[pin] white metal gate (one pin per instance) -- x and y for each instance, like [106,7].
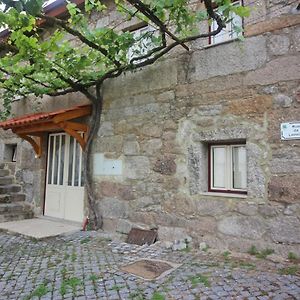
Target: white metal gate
[64,186]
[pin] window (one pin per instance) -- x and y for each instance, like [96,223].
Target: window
[228,33]
[228,168]
[10,153]
[143,42]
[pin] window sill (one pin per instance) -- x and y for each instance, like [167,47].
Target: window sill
[220,43]
[228,195]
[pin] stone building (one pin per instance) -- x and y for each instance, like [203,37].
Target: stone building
[191,145]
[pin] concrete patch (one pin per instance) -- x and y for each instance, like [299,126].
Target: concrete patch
[150,269]
[40,228]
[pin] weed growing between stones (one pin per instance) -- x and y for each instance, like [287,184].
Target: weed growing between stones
[116,288]
[226,255]
[293,257]
[157,296]
[70,283]
[39,292]
[264,253]
[293,270]
[137,295]
[95,277]
[252,250]
[199,278]
[260,254]
[85,240]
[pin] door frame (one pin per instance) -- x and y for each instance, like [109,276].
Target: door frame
[47,165]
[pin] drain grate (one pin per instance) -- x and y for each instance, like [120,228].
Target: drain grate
[141,237]
[149,269]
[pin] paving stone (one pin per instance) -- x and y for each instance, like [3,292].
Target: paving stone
[67,261]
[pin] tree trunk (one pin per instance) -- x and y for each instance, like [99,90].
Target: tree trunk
[94,216]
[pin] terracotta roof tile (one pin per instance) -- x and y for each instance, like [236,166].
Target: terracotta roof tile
[35,118]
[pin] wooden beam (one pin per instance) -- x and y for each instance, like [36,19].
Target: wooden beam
[42,127]
[69,115]
[74,126]
[35,143]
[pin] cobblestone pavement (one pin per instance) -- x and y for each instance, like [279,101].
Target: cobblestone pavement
[86,265]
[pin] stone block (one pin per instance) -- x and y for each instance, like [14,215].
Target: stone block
[166,96]
[201,226]
[285,229]
[137,167]
[114,189]
[254,105]
[151,130]
[244,227]
[282,100]
[240,57]
[113,208]
[131,148]
[293,209]
[145,202]
[106,129]
[124,226]
[165,165]
[211,207]
[151,147]
[296,38]
[108,144]
[270,210]
[171,233]
[289,70]
[159,76]
[247,209]
[284,188]
[179,204]
[279,44]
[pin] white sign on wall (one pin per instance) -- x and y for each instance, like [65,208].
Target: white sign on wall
[105,166]
[290,131]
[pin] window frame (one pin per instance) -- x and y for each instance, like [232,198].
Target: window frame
[228,171]
[210,27]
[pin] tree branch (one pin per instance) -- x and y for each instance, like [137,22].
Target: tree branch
[145,10]
[78,34]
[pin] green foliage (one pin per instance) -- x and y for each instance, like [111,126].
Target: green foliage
[39,292]
[292,256]
[70,283]
[157,296]
[252,250]
[72,55]
[293,270]
[199,278]
[260,254]
[264,253]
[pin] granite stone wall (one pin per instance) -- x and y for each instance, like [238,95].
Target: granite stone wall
[158,122]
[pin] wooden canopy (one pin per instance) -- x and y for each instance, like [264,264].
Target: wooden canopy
[32,127]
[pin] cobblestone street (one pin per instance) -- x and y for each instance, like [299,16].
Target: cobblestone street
[86,265]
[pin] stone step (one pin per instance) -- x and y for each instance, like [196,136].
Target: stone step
[11,188]
[7,217]
[12,208]
[5,198]
[13,197]
[17,197]
[7,180]
[4,172]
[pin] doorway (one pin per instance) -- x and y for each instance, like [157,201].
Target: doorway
[65,182]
